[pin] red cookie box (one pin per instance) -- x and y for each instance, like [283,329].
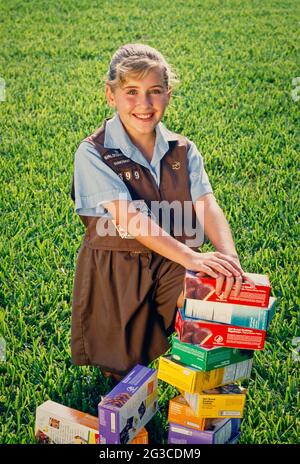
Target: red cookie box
[203,288]
[211,334]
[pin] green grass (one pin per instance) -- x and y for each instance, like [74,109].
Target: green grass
[236,61]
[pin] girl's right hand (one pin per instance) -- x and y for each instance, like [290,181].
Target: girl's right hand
[221,267]
[213,263]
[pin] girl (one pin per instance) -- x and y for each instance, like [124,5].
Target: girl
[128,284]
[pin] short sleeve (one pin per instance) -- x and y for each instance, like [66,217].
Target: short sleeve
[95,183]
[199,182]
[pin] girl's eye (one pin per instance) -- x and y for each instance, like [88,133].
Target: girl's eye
[133,90]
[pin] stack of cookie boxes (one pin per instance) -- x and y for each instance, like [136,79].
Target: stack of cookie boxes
[213,350]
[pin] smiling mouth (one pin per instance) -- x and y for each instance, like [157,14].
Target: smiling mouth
[142,117]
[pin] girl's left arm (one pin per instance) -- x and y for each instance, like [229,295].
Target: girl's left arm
[216,226]
[217,230]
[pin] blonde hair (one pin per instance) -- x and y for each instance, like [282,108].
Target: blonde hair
[137,60]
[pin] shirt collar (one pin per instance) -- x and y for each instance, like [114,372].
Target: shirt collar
[117,137]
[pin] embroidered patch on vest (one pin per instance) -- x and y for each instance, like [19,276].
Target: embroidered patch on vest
[122,161]
[176,165]
[112,154]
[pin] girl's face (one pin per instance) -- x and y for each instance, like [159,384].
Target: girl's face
[140,103]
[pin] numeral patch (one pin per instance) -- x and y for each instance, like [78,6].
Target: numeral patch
[132,174]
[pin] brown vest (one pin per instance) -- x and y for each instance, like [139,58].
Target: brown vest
[174,185]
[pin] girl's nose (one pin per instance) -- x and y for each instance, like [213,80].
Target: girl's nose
[145,99]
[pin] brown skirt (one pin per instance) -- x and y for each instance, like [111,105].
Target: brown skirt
[123,308]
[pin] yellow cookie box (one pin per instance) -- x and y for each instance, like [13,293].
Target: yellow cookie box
[223,402]
[192,380]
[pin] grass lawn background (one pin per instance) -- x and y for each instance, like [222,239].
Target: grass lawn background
[236,61]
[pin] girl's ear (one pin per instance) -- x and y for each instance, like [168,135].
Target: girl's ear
[109,95]
[169,93]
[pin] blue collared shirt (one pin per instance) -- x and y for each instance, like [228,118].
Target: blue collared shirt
[96,183]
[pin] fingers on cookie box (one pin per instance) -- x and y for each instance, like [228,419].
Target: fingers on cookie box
[204,288]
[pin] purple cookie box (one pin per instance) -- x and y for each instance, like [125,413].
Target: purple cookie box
[111,415]
[179,434]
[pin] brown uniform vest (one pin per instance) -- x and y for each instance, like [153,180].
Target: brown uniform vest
[174,185]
